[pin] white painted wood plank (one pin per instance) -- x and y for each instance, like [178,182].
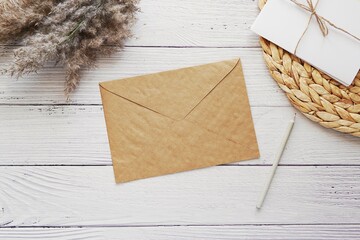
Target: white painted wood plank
[196,23]
[47,86]
[269,232]
[88,196]
[76,135]
[189,23]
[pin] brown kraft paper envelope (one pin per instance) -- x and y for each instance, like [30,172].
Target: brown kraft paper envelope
[178,120]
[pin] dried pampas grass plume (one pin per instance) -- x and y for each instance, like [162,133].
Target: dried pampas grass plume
[18,17]
[73,33]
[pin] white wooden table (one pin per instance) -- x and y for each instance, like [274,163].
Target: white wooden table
[56,178]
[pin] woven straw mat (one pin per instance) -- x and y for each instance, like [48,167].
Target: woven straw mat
[316,95]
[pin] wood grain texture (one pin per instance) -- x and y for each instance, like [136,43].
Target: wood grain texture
[270,232]
[76,135]
[88,196]
[196,23]
[169,34]
[47,86]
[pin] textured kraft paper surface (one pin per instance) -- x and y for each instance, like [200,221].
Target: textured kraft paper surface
[178,120]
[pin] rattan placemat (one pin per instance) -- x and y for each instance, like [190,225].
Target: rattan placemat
[316,95]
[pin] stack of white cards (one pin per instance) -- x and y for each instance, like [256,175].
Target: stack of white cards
[337,54]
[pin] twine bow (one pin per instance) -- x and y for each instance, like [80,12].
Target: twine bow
[322,22]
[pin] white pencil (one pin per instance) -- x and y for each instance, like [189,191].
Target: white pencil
[276,163]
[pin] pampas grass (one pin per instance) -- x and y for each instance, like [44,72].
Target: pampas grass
[73,33]
[18,17]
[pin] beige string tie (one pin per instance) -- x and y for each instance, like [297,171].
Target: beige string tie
[322,22]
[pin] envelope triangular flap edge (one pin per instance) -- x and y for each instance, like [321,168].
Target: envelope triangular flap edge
[172,93]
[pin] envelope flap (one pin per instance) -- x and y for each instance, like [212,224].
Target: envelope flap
[173,93]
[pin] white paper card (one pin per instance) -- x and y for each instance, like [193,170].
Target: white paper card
[337,54]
